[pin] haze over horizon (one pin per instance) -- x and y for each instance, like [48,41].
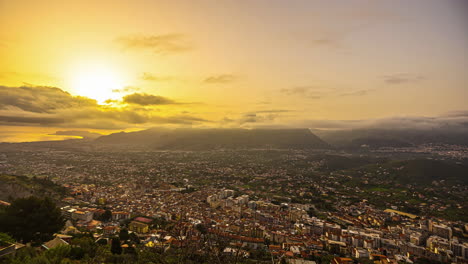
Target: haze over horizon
[109,66]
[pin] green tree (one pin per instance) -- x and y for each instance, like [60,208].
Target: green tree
[6,238]
[58,254]
[123,235]
[84,246]
[116,248]
[106,216]
[31,219]
[134,238]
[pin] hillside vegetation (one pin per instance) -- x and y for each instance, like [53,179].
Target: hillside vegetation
[13,187]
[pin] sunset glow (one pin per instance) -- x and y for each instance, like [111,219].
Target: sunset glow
[235,64]
[96,82]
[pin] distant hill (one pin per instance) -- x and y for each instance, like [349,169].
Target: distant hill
[376,138]
[13,187]
[206,139]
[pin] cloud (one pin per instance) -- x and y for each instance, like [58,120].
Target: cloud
[31,120]
[311,92]
[359,17]
[402,78]
[151,77]
[40,99]
[51,106]
[126,89]
[257,118]
[222,78]
[160,44]
[146,99]
[358,93]
[274,111]
[79,133]
[453,120]
[260,117]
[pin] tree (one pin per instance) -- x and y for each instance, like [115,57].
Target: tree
[134,238]
[31,219]
[6,238]
[116,248]
[123,235]
[86,246]
[106,216]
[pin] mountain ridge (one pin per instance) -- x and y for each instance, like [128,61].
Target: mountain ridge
[202,139]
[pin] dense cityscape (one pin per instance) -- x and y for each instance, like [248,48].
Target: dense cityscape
[297,206]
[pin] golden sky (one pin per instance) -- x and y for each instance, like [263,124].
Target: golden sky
[124,65]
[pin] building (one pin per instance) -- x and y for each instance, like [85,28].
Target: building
[442,231]
[79,215]
[117,216]
[360,253]
[140,225]
[57,241]
[338,260]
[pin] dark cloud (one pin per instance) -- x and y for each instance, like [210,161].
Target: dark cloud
[222,78]
[402,78]
[40,99]
[151,77]
[49,106]
[261,116]
[161,44]
[146,99]
[31,120]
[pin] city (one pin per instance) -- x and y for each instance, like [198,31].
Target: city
[233,132]
[279,204]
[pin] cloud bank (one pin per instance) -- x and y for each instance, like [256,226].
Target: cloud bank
[51,106]
[146,99]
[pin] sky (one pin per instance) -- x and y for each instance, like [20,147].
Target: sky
[107,66]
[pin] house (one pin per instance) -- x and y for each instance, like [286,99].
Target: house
[300,261]
[110,230]
[117,216]
[84,216]
[338,260]
[360,253]
[138,227]
[57,241]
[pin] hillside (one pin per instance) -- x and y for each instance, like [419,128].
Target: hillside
[206,139]
[13,187]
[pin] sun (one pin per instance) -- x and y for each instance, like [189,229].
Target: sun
[97,82]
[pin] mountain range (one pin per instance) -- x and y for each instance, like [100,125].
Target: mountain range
[206,139]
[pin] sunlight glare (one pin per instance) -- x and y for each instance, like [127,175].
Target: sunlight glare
[96,82]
